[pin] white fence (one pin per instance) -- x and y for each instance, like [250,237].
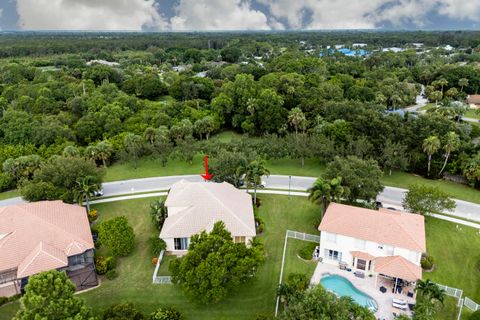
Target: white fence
[160,279]
[303,236]
[452,292]
[470,304]
[457,293]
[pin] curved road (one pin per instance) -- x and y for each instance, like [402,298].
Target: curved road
[390,196]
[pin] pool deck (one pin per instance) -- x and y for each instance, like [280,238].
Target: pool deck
[367,285]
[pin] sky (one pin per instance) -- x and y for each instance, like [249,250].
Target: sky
[203,15]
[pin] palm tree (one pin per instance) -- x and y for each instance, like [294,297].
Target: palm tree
[452,142]
[85,188]
[435,96]
[430,146]
[149,135]
[442,83]
[463,82]
[70,152]
[91,153]
[394,99]
[254,172]
[297,119]
[323,192]
[429,295]
[104,151]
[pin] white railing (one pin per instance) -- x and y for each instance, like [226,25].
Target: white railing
[470,304]
[452,292]
[160,279]
[303,236]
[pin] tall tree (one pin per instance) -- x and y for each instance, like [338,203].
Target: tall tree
[214,265]
[429,298]
[325,191]
[297,119]
[452,142]
[253,174]
[426,200]
[85,188]
[133,148]
[50,295]
[360,178]
[394,156]
[104,151]
[430,146]
[462,82]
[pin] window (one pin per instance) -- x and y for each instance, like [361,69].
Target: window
[75,260]
[361,264]
[331,237]
[333,255]
[181,243]
[360,244]
[239,239]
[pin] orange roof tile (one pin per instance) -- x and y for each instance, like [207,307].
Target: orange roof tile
[362,255]
[404,230]
[398,267]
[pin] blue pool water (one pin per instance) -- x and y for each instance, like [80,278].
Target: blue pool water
[342,287]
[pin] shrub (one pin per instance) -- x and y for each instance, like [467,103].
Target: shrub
[307,250]
[158,212]
[123,311]
[427,262]
[92,215]
[166,313]
[117,235]
[111,262]
[154,261]
[101,265]
[475,315]
[156,245]
[3,300]
[111,274]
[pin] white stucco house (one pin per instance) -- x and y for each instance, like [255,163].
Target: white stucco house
[385,242]
[194,207]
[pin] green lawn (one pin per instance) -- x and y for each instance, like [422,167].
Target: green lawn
[9,194]
[135,271]
[472,114]
[295,264]
[457,256]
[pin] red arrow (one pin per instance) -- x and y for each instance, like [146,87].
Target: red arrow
[206,176]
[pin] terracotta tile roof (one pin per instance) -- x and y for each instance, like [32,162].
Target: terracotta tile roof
[398,267]
[40,236]
[404,230]
[474,99]
[362,255]
[199,205]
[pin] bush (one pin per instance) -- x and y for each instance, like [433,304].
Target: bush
[156,245]
[111,262]
[475,315]
[111,274]
[6,182]
[122,311]
[101,265]
[306,251]
[36,191]
[92,215]
[154,261]
[117,235]
[3,300]
[166,313]
[427,262]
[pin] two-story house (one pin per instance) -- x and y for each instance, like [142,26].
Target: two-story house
[383,242]
[42,236]
[194,207]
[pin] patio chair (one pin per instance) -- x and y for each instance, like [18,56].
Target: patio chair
[399,304]
[359,274]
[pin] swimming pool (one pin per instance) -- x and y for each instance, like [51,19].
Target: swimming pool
[342,287]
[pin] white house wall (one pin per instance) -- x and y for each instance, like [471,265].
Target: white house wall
[346,244]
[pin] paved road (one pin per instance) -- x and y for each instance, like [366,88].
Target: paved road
[390,196]
[420,101]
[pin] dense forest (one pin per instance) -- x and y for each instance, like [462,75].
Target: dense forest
[81,101]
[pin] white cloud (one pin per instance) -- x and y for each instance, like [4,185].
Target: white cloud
[366,14]
[88,14]
[461,9]
[218,15]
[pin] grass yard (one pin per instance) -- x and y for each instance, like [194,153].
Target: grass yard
[295,264]
[472,114]
[457,256]
[135,271]
[9,194]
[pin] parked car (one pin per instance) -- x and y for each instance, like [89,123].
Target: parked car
[262,184]
[98,193]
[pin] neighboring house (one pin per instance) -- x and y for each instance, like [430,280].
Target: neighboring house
[196,206]
[42,236]
[103,62]
[473,100]
[385,242]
